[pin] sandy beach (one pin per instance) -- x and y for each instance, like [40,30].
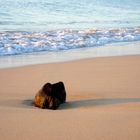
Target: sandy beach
[103,100]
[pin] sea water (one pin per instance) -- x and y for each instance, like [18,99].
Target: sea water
[55,27]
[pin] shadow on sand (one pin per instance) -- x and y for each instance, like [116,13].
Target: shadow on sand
[28,103]
[70,104]
[17,103]
[98,102]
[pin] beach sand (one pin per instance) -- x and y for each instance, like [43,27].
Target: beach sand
[103,101]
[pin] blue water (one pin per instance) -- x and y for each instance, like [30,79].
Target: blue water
[45,15]
[53,25]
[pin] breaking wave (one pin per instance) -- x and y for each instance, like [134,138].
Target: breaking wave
[13,43]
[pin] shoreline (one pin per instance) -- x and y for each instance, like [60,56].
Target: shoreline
[68,61]
[115,49]
[103,100]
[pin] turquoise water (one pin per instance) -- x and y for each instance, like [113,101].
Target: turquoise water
[30,26]
[42,15]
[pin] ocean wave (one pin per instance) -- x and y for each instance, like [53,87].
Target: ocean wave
[13,43]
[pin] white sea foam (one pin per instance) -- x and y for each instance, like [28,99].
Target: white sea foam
[13,43]
[56,26]
[117,49]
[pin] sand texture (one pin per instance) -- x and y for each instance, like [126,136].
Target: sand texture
[103,101]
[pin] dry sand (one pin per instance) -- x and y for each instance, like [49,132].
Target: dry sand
[103,101]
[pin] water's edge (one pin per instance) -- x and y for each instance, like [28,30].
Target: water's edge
[13,43]
[116,49]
